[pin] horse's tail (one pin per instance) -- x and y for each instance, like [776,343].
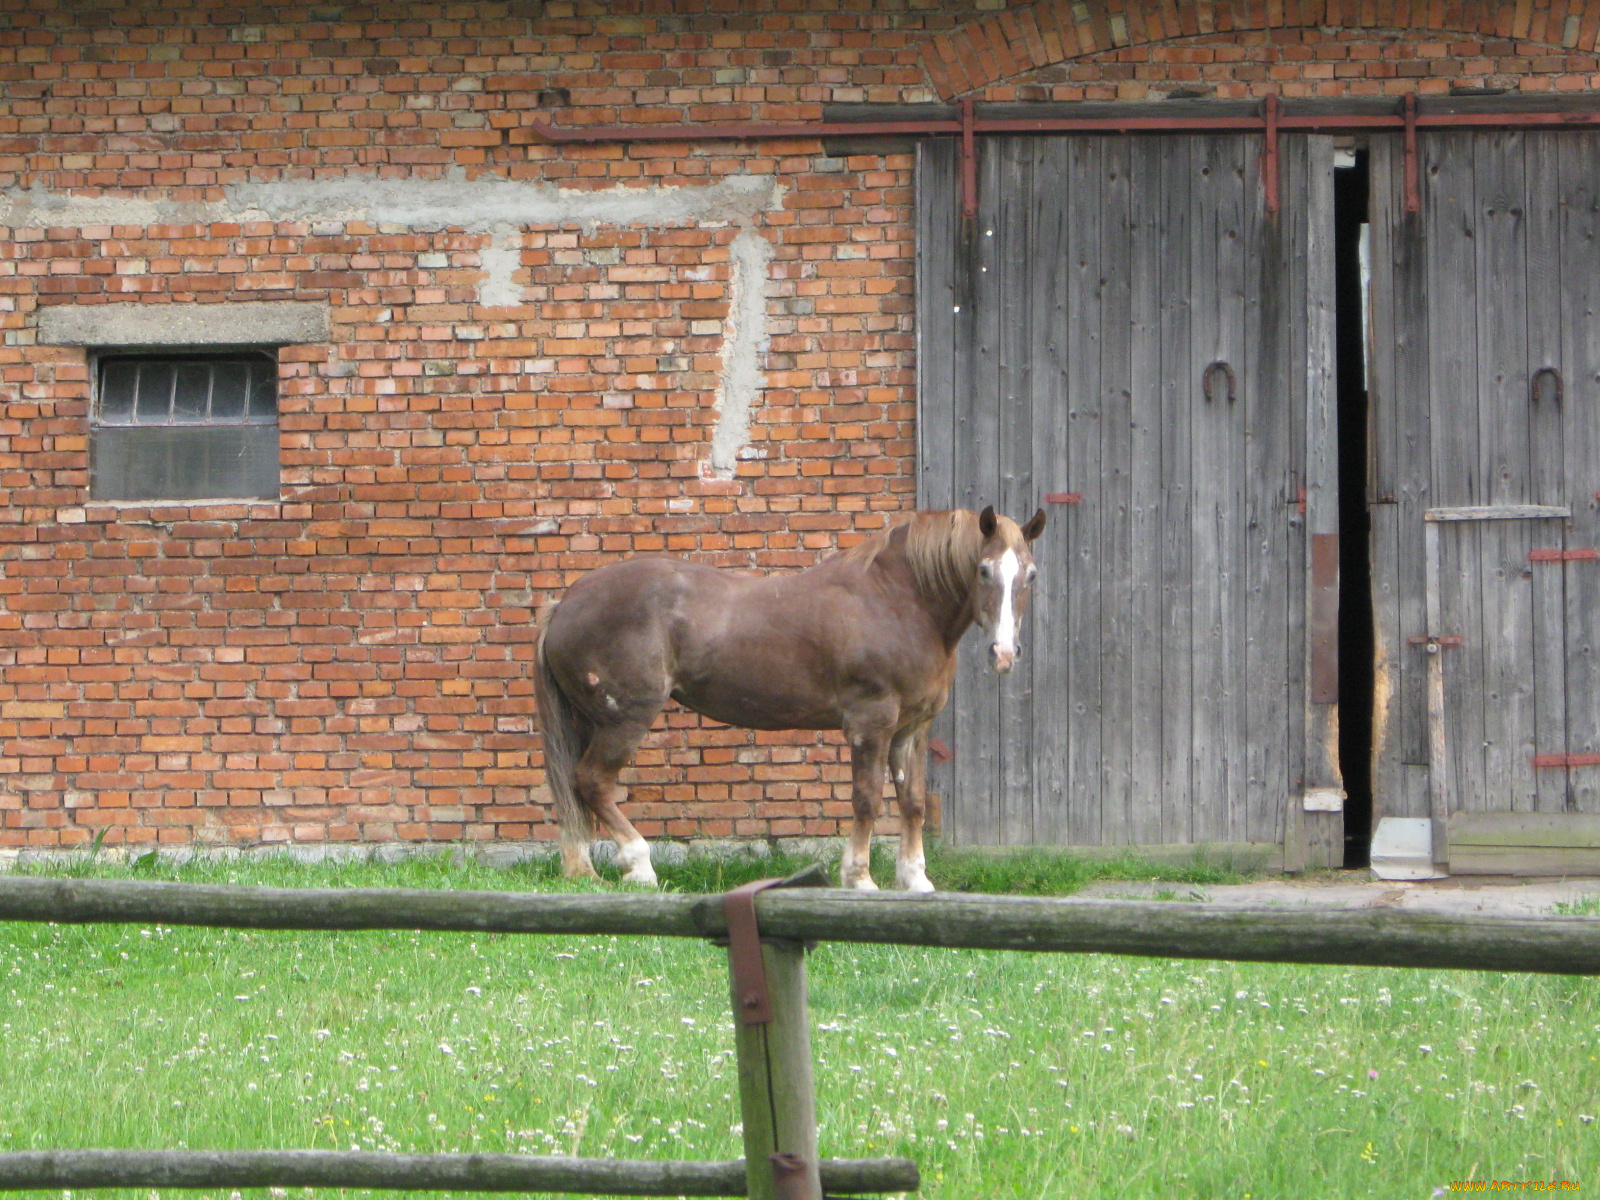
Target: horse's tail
[566,736]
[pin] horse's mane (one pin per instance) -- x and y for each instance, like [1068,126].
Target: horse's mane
[940,548]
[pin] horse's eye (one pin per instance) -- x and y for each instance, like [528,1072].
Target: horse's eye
[986,570]
[1032,571]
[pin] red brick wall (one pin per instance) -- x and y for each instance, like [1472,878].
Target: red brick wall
[353,663]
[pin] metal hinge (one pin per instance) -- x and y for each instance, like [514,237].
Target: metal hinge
[1588,554]
[1063,497]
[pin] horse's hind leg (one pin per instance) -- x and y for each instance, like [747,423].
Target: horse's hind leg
[908,760]
[598,791]
[869,754]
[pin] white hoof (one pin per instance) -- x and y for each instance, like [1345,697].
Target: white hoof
[861,883]
[634,861]
[913,881]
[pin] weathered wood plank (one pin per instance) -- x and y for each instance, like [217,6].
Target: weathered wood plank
[1579,188]
[1441,771]
[1271,484]
[1457,467]
[1134,348]
[1497,512]
[1048,644]
[1180,392]
[1018,288]
[942,322]
[1210,501]
[1561,829]
[1297,326]
[1546,453]
[1322,832]
[1523,860]
[1412,440]
[1082,815]
[975,810]
[1218,274]
[1394,666]
[1500,242]
[1459,587]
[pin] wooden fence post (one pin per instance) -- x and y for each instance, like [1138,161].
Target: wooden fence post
[776,1096]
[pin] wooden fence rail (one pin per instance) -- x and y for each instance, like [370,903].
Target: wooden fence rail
[53,1169]
[774,1055]
[1352,937]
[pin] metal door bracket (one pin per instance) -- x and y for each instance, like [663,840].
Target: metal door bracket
[1413,188]
[1587,554]
[1561,761]
[1269,157]
[1435,644]
[1063,497]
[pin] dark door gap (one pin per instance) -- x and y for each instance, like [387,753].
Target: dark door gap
[1356,642]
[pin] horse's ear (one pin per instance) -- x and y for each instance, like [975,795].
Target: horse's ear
[1034,527]
[986,522]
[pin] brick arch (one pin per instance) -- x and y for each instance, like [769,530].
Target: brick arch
[1024,39]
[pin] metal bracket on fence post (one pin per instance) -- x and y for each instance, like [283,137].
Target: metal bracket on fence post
[772,1035]
[753,1003]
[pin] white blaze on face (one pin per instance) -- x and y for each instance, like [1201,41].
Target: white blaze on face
[1005,625]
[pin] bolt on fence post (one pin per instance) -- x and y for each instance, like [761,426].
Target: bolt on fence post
[776,1094]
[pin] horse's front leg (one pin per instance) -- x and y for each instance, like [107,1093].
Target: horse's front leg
[908,759]
[869,764]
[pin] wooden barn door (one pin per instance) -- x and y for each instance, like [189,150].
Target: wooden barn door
[1124,336]
[1486,461]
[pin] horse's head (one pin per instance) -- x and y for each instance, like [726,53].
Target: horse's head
[1005,577]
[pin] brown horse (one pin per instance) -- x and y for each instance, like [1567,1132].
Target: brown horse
[864,642]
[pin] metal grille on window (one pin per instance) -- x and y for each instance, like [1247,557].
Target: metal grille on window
[187,427]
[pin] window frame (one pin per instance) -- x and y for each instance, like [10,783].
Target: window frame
[124,450]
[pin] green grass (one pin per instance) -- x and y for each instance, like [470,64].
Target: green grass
[1033,872]
[1051,873]
[1003,1075]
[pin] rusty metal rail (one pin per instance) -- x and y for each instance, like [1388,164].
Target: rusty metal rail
[1270,121]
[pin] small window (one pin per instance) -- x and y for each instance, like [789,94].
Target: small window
[185,427]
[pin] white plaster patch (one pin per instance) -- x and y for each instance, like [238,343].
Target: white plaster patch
[744,350]
[478,205]
[38,208]
[484,203]
[500,260]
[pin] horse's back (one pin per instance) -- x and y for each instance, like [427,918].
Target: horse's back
[625,597]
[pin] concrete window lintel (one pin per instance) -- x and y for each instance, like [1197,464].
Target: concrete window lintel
[244,323]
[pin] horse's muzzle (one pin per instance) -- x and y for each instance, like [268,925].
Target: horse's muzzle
[1001,660]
